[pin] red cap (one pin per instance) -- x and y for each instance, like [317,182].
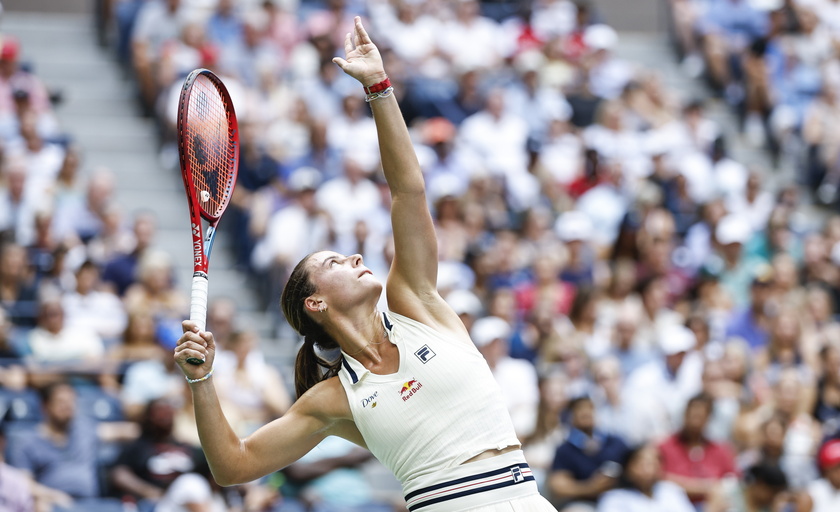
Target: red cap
[9,48]
[829,454]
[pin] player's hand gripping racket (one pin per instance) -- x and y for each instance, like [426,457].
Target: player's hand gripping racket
[208,144]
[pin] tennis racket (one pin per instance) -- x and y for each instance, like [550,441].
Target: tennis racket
[208,145]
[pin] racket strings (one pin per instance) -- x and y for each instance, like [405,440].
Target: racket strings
[209,146]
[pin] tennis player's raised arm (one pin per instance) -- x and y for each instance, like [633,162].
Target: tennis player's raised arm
[321,411]
[415,261]
[412,281]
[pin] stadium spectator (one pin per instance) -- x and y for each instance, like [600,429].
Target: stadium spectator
[822,495]
[60,453]
[16,490]
[249,384]
[516,377]
[763,487]
[56,341]
[18,292]
[643,488]
[120,270]
[330,479]
[588,463]
[92,308]
[690,459]
[146,467]
[549,432]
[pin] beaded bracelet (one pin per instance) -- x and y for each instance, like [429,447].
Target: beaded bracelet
[201,379]
[377,95]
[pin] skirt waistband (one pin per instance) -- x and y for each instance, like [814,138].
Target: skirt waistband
[472,485]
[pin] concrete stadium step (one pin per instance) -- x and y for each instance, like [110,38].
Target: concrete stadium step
[100,113]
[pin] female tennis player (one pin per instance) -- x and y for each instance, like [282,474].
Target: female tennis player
[409,384]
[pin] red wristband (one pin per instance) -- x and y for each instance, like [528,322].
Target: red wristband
[381,86]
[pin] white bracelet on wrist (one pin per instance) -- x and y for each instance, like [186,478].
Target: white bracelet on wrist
[201,379]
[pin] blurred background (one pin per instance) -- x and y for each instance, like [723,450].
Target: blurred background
[637,213]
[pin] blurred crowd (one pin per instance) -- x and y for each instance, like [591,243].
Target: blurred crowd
[662,319]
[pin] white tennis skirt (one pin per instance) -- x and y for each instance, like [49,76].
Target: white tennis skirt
[497,484]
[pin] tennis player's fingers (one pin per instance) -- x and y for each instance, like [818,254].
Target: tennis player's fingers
[192,337]
[208,339]
[190,349]
[189,326]
[348,44]
[362,36]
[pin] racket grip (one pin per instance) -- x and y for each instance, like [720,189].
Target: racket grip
[198,306]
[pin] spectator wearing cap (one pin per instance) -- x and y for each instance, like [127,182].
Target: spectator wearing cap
[575,229]
[516,377]
[588,463]
[690,459]
[16,82]
[752,323]
[608,75]
[823,495]
[466,305]
[660,389]
[733,269]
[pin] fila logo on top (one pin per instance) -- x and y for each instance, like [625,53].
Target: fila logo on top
[424,354]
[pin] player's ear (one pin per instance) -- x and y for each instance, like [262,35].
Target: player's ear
[314,305]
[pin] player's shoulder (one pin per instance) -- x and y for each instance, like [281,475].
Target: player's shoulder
[327,400]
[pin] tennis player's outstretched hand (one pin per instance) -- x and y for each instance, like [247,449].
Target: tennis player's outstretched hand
[361,59]
[200,346]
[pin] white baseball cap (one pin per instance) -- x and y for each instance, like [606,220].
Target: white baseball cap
[489,328]
[573,225]
[676,338]
[733,229]
[464,302]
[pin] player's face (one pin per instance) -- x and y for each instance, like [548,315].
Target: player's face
[342,281]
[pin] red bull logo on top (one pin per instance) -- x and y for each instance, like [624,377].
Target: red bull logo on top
[409,388]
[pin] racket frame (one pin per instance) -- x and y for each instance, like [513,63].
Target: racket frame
[202,240]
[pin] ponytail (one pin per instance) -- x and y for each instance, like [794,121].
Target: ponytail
[310,368]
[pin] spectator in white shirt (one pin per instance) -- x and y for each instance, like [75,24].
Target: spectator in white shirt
[516,377]
[660,389]
[53,341]
[644,489]
[293,231]
[349,198]
[92,308]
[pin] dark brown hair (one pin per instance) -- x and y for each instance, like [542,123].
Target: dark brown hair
[310,368]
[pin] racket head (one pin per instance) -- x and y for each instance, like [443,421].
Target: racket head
[208,144]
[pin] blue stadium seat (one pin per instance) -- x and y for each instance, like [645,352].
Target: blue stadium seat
[24,405]
[96,403]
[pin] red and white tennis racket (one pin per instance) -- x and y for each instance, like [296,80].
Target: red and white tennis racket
[208,144]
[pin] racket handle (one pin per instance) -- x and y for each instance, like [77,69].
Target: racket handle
[198,306]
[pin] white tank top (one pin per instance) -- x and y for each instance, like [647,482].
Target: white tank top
[441,408]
